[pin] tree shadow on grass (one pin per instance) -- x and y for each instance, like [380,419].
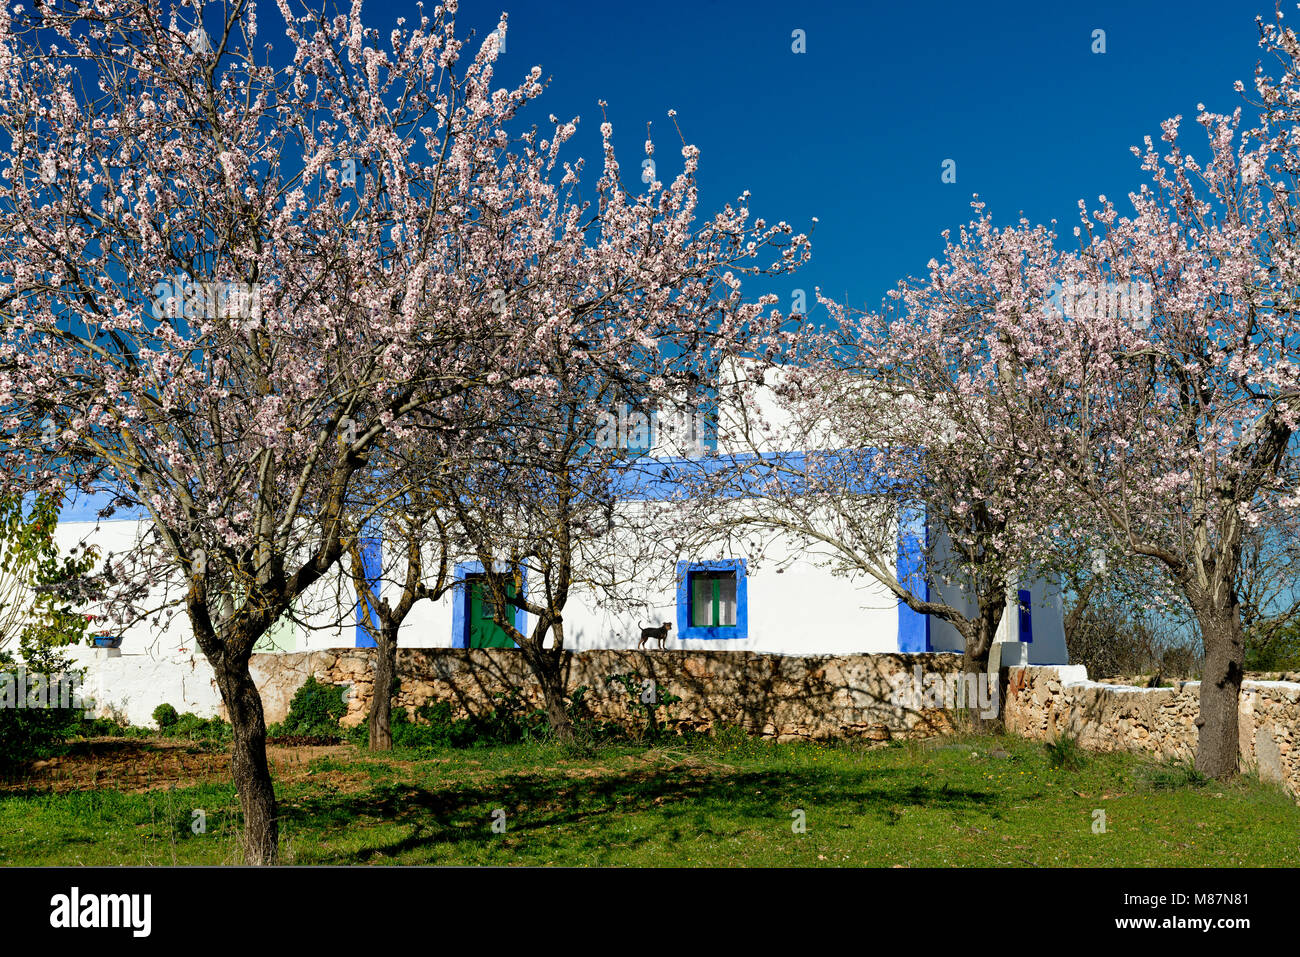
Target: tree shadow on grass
[682,803]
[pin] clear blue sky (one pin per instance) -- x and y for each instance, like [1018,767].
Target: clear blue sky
[855,130]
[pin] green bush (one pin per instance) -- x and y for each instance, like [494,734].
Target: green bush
[165,716]
[30,733]
[194,728]
[315,710]
[432,726]
[109,728]
[188,726]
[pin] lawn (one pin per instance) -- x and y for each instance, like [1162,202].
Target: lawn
[729,801]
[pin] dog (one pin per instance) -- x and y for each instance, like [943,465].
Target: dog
[660,634]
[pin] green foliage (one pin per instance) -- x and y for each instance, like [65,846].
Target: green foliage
[433,727]
[1279,651]
[315,710]
[646,693]
[41,590]
[577,705]
[110,728]
[193,728]
[1064,753]
[187,726]
[165,716]
[30,733]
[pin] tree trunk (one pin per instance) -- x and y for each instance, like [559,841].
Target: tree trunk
[248,765]
[1217,747]
[381,703]
[548,671]
[975,663]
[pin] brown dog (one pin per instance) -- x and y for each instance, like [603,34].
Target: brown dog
[660,634]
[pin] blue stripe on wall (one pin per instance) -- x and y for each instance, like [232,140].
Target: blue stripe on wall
[372,559]
[913,537]
[1026,605]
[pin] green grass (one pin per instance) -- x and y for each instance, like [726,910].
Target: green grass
[983,801]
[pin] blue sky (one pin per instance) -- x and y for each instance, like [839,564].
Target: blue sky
[855,130]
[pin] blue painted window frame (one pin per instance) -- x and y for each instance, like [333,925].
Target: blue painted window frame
[688,632]
[460,602]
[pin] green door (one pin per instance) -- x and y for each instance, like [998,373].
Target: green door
[484,632]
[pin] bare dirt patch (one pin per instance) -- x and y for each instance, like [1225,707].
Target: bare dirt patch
[136,765]
[132,765]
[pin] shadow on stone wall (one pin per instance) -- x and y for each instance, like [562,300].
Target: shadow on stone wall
[785,697]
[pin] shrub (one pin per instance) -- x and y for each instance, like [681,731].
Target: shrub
[112,728]
[432,726]
[165,716]
[315,710]
[194,728]
[30,733]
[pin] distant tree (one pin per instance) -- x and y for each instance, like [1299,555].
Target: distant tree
[390,574]
[43,592]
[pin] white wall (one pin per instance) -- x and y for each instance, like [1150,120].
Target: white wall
[795,606]
[167,631]
[1046,615]
[133,684]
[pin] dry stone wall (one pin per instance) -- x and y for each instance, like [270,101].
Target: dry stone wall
[1044,703]
[813,697]
[779,696]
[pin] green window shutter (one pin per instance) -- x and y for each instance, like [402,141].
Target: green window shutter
[726,614]
[701,601]
[713,599]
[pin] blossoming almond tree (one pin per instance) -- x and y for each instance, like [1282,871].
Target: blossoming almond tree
[224,280]
[1173,428]
[883,425]
[635,318]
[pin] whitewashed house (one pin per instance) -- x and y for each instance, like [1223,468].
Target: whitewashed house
[779,598]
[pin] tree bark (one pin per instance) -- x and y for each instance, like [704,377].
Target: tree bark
[381,703]
[248,764]
[548,670]
[975,661]
[1217,746]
